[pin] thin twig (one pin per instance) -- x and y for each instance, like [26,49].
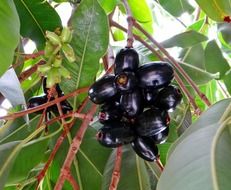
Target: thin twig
[130,38]
[58,143]
[159,164]
[48,104]
[116,172]
[174,62]
[27,73]
[74,148]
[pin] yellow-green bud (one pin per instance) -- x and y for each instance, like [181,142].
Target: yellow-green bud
[48,50]
[66,35]
[53,77]
[54,38]
[64,72]
[58,61]
[44,68]
[69,52]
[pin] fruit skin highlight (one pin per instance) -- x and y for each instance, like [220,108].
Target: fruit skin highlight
[145,148]
[102,90]
[126,60]
[114,134]
[155,75]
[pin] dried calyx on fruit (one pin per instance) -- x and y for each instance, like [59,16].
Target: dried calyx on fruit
[135,103]
[42,99]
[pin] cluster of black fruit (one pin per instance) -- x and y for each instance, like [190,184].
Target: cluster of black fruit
[134,104]
[42,99]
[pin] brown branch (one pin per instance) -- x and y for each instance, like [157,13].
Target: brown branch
[174,62]
[26,74]
[116,172]
[38,108]
[159,164]
[58,143]
[33,55]
[130,38]
[74,148]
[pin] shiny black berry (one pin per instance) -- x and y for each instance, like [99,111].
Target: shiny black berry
[126,60]
[103,90]
[161,137]
[109,112]
[126,81]
[152,122]
[155,74]
[150,96]
[114,134]
[146,148]
[131,103]
[168,98]
[37,101]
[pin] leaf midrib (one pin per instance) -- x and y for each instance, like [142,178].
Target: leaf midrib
[84,51]
[33,17]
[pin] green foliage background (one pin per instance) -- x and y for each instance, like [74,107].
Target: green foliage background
[198,151]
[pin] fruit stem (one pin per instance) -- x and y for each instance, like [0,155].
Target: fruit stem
[159,164]
[174,62]
[59,142]
[178,79]
[116,171]
[74,147]
[27,73]
[37,108]
[130,38]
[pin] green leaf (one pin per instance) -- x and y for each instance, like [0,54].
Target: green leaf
[215,9]
[197,26]
[90,42]
[108,6]
[36,17]
[227,81]
[133,174]
[140,10]
[214,60]
[198,75]
[225,30]
[195,56]
[92,159]
[177,7]
[142,13]
[185,39]
[9,33]
[118,35]
[5,151]
[201,160]
[11,89]
[209,117]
